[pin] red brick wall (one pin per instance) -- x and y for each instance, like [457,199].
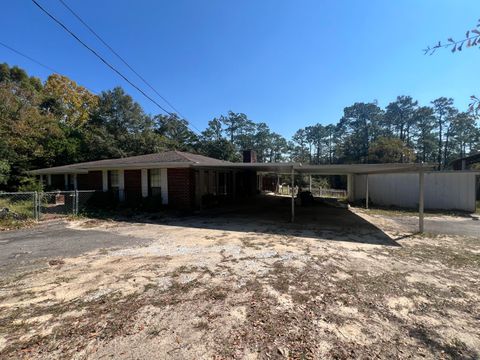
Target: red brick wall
[133,185]
[90,181]
[181,188]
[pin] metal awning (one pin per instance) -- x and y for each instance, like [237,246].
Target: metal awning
[337,169]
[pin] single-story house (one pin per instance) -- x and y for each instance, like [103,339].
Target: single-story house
[187,181]
[181,178]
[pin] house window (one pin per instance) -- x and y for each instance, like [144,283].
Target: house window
[114,179]
[155,182]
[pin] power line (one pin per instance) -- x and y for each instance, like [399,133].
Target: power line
[29,58]
[79,18]
[117,55]
[111,66]
[99,56]
[37,62]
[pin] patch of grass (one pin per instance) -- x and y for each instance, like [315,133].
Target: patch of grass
[14,224]
[397,211]
[20,214]
[23,208]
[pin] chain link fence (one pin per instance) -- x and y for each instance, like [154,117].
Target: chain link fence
[43,205]
[18,205]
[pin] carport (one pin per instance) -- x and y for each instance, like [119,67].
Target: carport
[349,170]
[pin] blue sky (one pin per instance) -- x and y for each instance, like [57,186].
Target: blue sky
[287,63]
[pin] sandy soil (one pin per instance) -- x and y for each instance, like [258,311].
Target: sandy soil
[202,292]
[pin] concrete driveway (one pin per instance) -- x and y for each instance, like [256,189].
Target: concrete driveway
[337,284]
[28,249]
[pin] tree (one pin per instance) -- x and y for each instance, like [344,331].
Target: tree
[443,110]
[233,123]
[214,131]
[330,131]
[25,131]
[464,134]
[211,143]
[4,172]
[277,147]
[119,127]
[17,75]
[399,117]
[358,127]
[426,144]
[299,151]
[390,150]
[317,137]
[72,103]
[176,133]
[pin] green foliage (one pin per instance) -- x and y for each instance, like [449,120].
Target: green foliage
[71,103]
[175,132]
[60,122]
[390,150]
[30,184]
[21,209]
[358,128]
[4,172]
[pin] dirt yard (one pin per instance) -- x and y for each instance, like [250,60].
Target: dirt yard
[221,288]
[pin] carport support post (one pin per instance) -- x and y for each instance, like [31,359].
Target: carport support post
[293,195]
[366,192]
[421,190]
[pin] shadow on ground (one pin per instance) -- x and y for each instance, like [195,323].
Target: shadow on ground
[271,215]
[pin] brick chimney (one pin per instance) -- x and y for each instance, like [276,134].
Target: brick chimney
[249,156]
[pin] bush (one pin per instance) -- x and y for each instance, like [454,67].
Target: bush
[102,200]
[30,184]
[151,203]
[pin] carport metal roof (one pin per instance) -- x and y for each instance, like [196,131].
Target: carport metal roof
[345,169]
[337,169]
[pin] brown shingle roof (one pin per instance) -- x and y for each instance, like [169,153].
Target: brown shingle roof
[163,158]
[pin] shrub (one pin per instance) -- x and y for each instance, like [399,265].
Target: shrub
[30,184]
[102,200]
[151,203]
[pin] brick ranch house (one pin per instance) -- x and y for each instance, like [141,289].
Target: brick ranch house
[188,181]
[182,179]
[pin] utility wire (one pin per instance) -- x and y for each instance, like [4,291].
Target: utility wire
[37,62]
[100,57]
[118,56]
[111,66]
[29,58]
[79,18]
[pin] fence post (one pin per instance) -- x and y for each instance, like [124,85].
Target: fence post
[39,204]
[35,206]
[75,210]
